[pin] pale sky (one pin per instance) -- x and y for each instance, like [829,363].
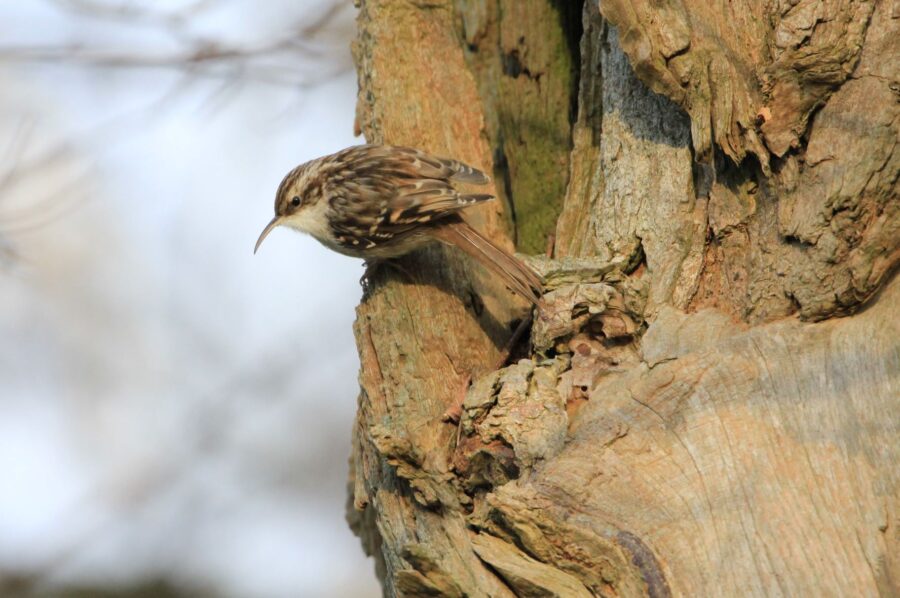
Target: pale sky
[171,405]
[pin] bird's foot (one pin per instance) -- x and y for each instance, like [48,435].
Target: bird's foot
[374,266]
[365,281]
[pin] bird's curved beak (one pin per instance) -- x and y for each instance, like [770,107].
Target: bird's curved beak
[271,225]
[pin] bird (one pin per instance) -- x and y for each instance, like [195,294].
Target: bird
[380,202]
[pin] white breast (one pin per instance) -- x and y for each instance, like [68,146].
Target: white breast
[312,220]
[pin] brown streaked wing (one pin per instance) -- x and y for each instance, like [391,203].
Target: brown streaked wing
[380,194]
[407,161]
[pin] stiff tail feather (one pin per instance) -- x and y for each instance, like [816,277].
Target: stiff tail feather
[518,277]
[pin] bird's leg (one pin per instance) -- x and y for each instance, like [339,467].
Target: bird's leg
[373,265]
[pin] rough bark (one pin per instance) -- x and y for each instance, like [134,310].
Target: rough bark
[710,404]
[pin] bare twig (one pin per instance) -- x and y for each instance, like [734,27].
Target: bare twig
[266,62]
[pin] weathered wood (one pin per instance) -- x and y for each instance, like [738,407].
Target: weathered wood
[423,329]
[693,417]
[820,235]
[744,462]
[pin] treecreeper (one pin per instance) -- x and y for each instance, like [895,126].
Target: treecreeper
[380,202]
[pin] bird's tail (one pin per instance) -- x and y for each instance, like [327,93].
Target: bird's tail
[517,276]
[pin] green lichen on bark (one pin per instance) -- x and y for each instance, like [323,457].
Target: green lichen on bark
[524,56]
[536,92]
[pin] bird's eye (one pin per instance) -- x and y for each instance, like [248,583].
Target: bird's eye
[295,201]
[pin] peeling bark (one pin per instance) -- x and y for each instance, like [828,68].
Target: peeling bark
[710,400]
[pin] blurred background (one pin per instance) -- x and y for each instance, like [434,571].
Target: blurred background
[175,413]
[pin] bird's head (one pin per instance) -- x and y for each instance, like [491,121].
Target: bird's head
[294,196]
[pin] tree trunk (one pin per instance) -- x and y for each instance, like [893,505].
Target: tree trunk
[710,402]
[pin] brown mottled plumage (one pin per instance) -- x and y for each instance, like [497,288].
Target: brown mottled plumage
[376,202]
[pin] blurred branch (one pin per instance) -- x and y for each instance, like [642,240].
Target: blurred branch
[18,170]
[44,206]
[203,60]
[266,62]
[299,58]
[325,19]
[132,12]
